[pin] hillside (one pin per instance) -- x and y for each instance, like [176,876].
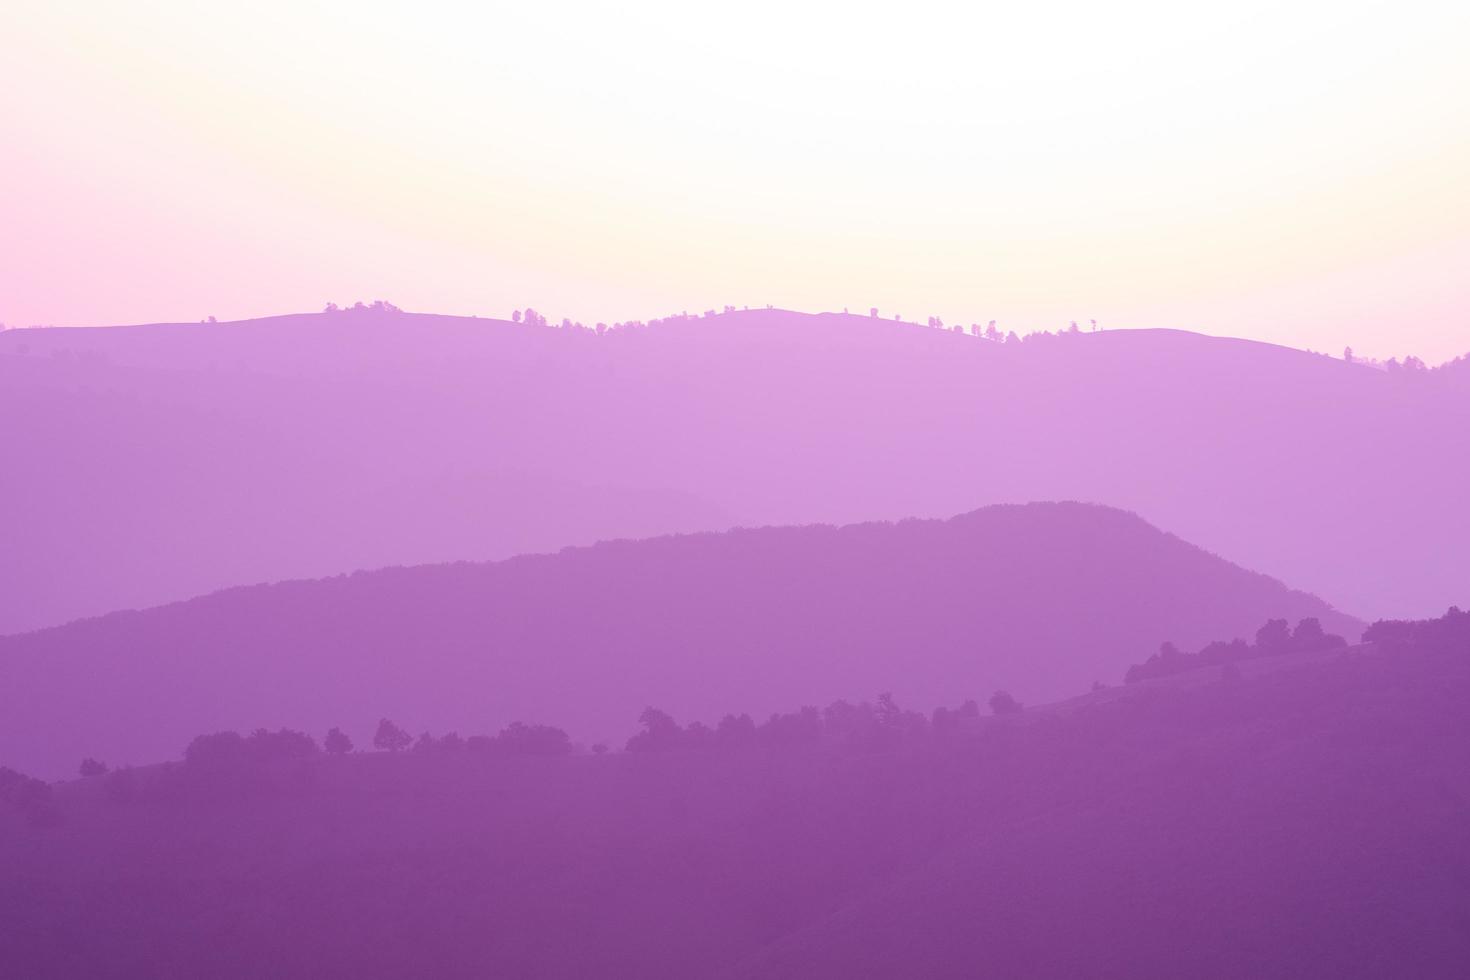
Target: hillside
[1301,822]
[1041,599]
[1306,822]
[310,445]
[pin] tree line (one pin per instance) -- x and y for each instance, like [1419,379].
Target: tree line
[1274,638]
[230,759]
[1449,633]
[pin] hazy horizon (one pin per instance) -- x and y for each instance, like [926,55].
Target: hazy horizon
[963,326]
[1033,164]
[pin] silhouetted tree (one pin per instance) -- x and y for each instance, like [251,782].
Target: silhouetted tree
[1308,634]
[285,743]
[1450,634]
[390,738]
[1274,636]
[222,750]
[660,732]
[735,730]
[1272,639]
[91,767]
[337,742]
[1001,703]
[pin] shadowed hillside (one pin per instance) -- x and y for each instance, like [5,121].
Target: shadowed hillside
[147,464]
[1303,822]
[1041,599]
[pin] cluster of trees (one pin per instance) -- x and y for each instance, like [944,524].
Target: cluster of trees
[1456,365]
[228,763]
[868,726]
[988,331]
[1274,638]
[992,333]
[517,738]
[224,750]
[30,796]
[1409,366]
[1448,634]
[533,318]
[376,306]
[231,750]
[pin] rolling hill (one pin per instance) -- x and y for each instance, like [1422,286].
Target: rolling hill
[147,464]
[1040,599]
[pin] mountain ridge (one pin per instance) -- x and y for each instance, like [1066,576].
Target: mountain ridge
[353,440]
[1041,599]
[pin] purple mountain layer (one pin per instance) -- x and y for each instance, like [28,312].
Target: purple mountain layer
[1299,818]
[147,464]
[1041,599]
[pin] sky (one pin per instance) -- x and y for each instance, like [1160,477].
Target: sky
[1290,172]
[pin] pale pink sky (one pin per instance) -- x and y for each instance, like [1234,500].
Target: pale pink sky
[1290,172]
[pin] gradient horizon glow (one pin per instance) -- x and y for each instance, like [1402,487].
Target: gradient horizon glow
[1291,173]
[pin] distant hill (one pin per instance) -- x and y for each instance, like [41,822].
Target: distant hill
[151,463]
[1041,599]
[1305,822]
